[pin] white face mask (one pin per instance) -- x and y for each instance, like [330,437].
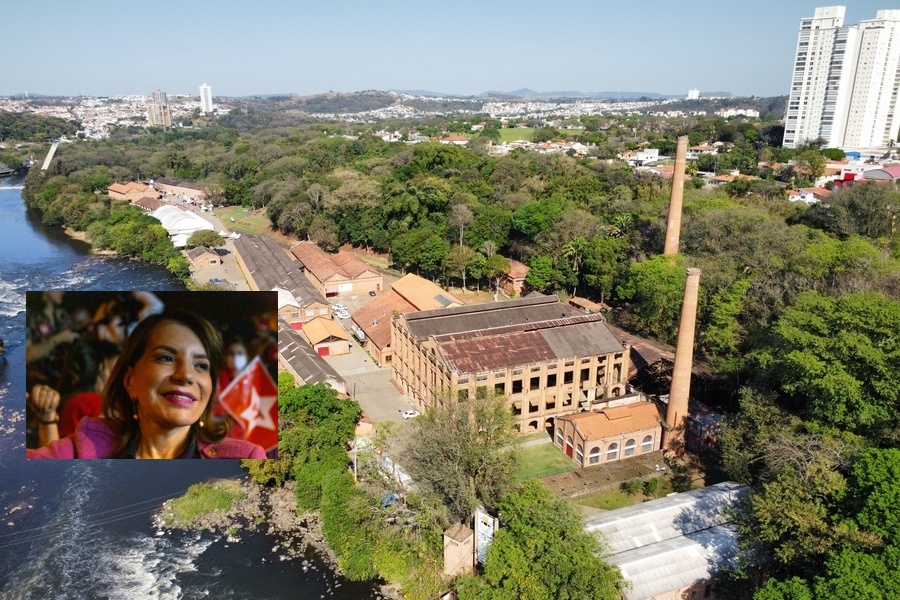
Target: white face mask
[238,361]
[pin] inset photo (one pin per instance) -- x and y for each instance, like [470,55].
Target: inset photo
[151,375]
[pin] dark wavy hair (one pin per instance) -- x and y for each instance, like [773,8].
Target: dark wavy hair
[118,405]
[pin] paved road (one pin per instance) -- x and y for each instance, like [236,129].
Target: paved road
[370,384]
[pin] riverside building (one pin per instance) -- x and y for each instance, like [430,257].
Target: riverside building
[546,357]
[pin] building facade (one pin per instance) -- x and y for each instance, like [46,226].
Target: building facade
[610,434]
[844,87]
[158,110]
[371,324]
[336,274]
[548,359]
[206,103]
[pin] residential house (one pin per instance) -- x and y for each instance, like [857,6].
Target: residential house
[808,195]
[695,152]
[514,281]
[202,257]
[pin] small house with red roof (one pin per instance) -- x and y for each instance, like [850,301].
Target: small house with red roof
[611,434]
[514,281]
[336,274]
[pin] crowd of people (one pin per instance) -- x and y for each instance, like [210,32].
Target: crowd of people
[135,375]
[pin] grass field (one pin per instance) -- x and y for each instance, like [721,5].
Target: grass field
[202,499]
[249,222]
[542,461]
[618,498]
[608,500]
[515,134]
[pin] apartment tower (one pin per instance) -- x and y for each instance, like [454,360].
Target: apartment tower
[206,104]
[158,110]
[845,81]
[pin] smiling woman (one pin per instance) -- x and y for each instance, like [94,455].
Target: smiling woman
[159,399]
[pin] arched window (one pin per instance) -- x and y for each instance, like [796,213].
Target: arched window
[647,444]
[594,456]
[630,447]
[559,437]
[612,452]
[532,426]
[579,454]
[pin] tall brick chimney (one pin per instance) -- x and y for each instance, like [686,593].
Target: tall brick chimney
[673,225]
[676,414]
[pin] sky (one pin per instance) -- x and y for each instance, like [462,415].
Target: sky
[460,47]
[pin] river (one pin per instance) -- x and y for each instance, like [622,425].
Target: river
[71,529]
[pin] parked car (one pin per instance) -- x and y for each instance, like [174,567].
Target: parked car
[410,414]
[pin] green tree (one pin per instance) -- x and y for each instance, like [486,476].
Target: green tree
[205,237]
[461,450]
[838,359]
[540,273]
[655,287]
[541,551]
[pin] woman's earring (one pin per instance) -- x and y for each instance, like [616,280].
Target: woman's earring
[200,423]
[135,415]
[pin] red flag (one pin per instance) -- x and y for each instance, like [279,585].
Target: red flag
[252,399]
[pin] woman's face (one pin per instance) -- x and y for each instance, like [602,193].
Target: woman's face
[171,381]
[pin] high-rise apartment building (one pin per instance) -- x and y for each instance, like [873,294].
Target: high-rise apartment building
[206,104]
[845,80]
[872,118]
[158,110]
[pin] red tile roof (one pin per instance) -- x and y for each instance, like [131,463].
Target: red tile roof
[615,421]
[375,317]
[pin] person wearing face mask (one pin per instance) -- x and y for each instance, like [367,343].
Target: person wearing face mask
[236,359]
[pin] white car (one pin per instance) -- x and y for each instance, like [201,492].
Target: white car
[338,307]
[410,414]
[343,314]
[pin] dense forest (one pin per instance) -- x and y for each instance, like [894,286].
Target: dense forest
[28,127]
[799,306]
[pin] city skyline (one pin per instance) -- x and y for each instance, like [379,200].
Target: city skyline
[282,47]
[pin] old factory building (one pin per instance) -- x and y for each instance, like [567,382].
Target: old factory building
[546,357]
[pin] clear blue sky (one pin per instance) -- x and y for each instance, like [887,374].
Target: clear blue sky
[109,47]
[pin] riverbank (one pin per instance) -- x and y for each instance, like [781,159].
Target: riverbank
[81,236]
[272,511]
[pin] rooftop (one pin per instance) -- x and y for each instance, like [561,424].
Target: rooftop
[271,266]
[303,358]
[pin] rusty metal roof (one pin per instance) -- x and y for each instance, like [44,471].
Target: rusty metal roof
[511,343]
[482,317]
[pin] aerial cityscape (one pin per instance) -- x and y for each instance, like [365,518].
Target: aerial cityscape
[461,315]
